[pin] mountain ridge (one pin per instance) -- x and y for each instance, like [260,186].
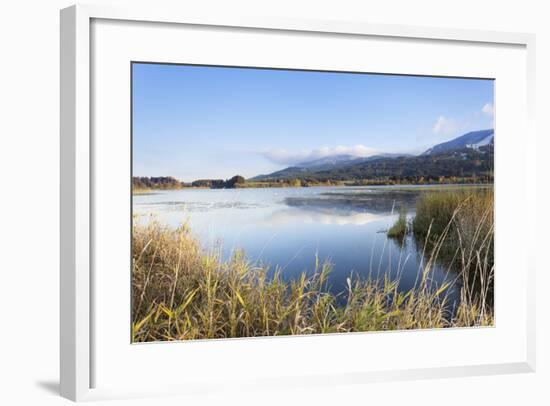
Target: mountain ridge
[465,156]
[472,139]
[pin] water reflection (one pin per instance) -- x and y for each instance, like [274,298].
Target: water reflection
[291,228]
[322,215]
[370,200]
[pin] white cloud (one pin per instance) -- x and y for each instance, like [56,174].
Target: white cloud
[488,109]
[445,126]
[284,157]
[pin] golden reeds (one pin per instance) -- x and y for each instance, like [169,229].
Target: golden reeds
[181,292]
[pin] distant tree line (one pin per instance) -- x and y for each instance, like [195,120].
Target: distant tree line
[160,182]
[458,166]
[169,182]
[234,182]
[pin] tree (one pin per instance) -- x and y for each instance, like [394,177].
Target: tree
[235,180]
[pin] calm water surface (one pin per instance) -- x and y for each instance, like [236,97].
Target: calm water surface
[289,227]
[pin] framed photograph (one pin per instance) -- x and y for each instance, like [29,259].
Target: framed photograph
[265,202]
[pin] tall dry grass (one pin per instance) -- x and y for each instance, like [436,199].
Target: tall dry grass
[180,292]
[467,215]
[458,228]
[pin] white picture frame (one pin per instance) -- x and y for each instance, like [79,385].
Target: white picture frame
[77,192]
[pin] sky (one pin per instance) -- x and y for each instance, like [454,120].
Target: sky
[199,122]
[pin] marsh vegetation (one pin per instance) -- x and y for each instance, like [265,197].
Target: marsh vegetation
[181,291]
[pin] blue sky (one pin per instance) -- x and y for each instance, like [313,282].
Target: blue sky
[196,122]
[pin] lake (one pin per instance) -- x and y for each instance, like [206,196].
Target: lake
[289,227]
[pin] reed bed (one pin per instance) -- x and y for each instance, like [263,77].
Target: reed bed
[458,228]
[465,216]
[399,229]
[181,292]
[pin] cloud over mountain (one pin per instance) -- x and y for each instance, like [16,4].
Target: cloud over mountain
[445,126]
[282,156]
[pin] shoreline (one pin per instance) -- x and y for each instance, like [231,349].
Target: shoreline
[377,185]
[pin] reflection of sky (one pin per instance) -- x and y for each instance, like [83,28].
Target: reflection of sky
[287,228]
[297,216]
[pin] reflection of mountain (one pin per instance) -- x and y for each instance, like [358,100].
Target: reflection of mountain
[373,201]
[322,216]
